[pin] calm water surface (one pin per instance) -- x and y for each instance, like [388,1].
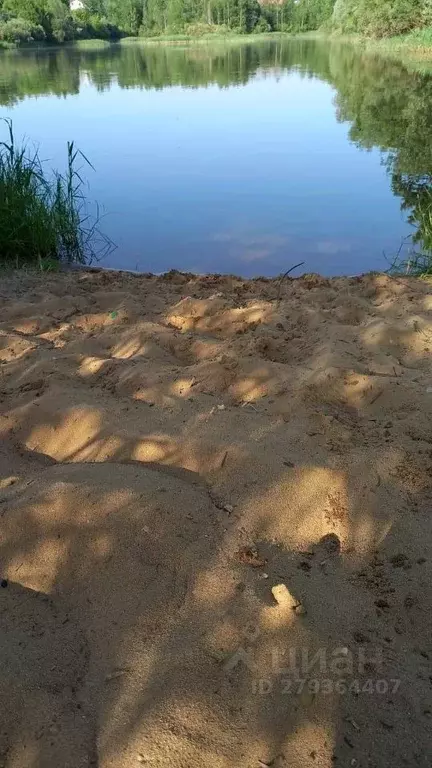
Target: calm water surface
[243,158]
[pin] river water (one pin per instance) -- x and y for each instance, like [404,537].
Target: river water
[243,158]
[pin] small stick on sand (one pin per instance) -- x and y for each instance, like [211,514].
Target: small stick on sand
[375,397]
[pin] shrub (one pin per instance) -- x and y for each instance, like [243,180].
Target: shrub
[20,31]
[380,18]
[200,28]
[262,25]
[90,26]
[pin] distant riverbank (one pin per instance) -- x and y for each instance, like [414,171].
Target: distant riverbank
[415,46]
[96,43]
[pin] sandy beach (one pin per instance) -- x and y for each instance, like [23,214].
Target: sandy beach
[215,521]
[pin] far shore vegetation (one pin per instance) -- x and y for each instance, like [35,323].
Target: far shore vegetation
[398,24]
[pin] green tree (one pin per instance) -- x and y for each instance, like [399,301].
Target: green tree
[60,24]
[158,15]
[381,18]
[18,31]
[52,15]
[30,10]
[125,14]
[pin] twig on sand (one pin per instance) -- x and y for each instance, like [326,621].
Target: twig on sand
[353,723]
[116,673]
[285,274]
[376,396]
[248,402]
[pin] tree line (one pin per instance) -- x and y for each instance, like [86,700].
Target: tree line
[53,21]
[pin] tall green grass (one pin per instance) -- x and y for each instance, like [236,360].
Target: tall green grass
[418,38]
[43,216]
[416,264]
[418,261]
[91,45]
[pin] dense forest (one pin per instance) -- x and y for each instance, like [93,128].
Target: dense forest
[24,21]
[52,20]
